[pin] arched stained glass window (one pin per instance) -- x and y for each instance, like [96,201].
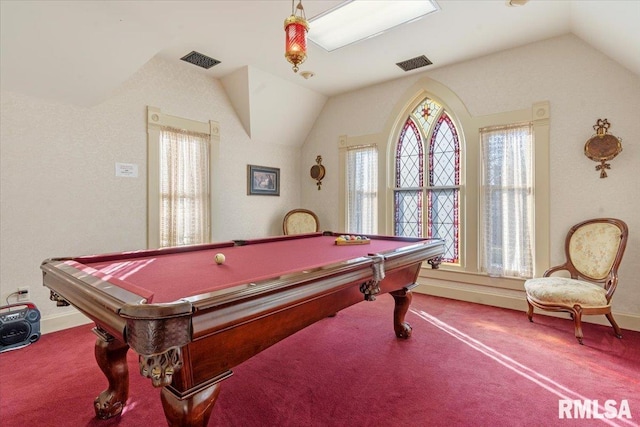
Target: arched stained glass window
[430,122]
[409,182]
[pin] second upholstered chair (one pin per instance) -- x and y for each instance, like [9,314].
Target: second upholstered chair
[300,221]
[593,250]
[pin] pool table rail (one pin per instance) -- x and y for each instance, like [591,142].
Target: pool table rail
[92,296]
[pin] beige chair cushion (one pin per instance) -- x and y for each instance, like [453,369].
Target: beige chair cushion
[566,291]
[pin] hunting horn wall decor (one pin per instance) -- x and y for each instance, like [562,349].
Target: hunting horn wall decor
[602,146]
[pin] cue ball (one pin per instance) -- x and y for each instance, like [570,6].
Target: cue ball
[219,258]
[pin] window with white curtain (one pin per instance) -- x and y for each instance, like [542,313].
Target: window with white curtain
[434,180]
[184,187]
[362,189]
[183,159]
[507,200]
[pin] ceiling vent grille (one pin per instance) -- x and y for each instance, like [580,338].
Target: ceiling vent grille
[196,58]
[413,63]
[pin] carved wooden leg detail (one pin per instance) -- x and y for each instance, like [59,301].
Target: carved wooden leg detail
[193,411]
[111,356]
[616,328]
[530,311]
[577,319]
[403,301]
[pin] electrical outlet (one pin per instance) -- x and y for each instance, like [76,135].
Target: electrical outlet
[23,293]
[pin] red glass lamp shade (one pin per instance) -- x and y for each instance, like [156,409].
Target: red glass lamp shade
[295,28]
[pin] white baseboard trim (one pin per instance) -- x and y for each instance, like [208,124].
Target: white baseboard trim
[62,321]
[511,299]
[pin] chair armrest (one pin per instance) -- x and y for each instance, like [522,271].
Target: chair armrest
[555,269]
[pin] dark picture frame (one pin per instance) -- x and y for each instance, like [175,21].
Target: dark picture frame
[263,180]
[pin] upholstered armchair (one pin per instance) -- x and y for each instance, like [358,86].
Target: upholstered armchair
[300,221]
[593,250]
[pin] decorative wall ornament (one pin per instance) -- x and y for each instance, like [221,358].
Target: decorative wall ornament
[317,172]
[602,146]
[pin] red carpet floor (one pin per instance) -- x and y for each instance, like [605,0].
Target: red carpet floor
[465,365]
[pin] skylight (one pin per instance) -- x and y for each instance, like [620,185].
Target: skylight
[357,20]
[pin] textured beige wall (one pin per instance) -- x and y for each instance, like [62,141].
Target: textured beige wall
[59,194]
[581,85]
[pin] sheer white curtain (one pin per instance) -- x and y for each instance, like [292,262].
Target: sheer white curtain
[184,187]
[507,200]
[362,189]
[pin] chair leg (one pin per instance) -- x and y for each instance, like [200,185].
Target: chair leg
[577,319]
[530,311]
[616,328]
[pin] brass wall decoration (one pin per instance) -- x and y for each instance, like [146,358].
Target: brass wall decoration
[317,171]
[602,146]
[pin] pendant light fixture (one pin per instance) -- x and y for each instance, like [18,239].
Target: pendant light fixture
[295,28]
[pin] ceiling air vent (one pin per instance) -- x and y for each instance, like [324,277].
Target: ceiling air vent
[196,58]
[413,63]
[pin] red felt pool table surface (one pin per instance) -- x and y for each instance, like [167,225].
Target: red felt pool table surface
[166,277]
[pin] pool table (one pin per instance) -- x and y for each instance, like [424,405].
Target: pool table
[191,320]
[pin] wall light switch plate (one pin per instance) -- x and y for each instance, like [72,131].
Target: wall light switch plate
[127,170]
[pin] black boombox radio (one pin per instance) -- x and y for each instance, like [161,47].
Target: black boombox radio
[19,327]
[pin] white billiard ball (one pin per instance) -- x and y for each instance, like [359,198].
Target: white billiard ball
[219,258]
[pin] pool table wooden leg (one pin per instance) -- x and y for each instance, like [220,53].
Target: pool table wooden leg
[193,411]
[403,299]
[111,356]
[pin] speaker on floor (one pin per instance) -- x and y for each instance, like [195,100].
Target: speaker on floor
[19,326]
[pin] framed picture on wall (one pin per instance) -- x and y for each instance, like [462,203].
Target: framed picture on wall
[262,180]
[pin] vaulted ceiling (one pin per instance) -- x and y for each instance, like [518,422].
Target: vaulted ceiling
[79,52]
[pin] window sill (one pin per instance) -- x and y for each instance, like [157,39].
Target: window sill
[473,278]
